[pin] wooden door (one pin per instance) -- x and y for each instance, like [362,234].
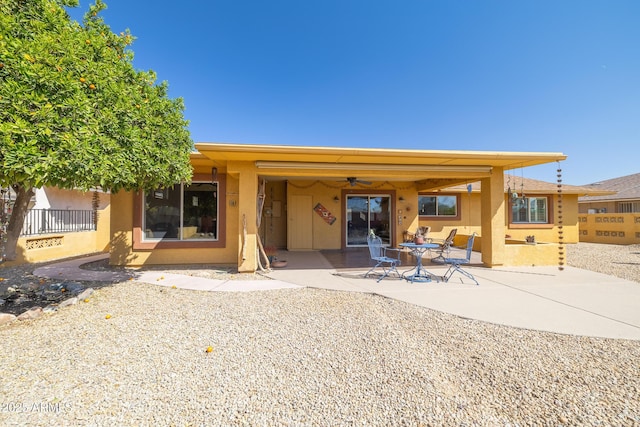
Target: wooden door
[300,223]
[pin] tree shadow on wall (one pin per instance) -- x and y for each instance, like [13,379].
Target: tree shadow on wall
[120,251]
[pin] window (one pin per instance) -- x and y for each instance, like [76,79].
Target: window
[365,213]
[181,212]
[444,206]
[530,210]
[628,207]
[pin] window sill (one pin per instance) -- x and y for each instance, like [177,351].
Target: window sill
[176,244]
[531,226]
[140,244]
[440,218]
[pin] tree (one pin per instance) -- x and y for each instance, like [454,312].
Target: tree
[75,113]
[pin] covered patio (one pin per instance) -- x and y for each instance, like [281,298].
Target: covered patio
[339,184]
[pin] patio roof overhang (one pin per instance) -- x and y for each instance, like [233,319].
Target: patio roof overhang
[429,169]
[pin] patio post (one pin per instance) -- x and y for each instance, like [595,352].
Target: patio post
[247,214]
[493,218]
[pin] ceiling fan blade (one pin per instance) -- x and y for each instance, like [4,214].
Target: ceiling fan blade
[353,181]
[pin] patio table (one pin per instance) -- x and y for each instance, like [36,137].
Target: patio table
[419,273]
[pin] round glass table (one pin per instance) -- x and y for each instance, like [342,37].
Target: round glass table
[419,273]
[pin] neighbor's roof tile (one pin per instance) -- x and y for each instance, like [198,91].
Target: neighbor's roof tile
[519,184]
[625,188]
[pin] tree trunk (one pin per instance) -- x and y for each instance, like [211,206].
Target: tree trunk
[16,221]
[95,204]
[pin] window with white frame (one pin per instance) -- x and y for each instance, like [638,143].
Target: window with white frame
[182,212]
[531,210]
[628,207]
[438,205]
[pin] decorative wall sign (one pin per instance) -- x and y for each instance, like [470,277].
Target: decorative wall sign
[325,214]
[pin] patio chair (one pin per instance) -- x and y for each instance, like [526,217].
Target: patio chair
[379,255]
[455,264]
[423,231]
[445,247]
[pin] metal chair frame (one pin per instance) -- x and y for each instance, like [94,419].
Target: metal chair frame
[379,255]
[445,247]
[455,264]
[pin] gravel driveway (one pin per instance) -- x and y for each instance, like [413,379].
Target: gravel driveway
[307,357]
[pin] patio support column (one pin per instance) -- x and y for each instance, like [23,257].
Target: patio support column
[247,214]
[493,218]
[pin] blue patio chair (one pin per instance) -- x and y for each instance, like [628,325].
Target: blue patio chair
[379,255]
[455,264]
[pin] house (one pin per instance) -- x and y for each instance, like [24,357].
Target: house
[623,196]
[534,209]
[315,198]
[62,223]
[613,216]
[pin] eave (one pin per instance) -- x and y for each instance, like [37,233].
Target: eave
[430,169]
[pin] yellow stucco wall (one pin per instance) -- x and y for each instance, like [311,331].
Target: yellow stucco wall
[123,253]
[469,222]
[541,254]
[518,253]
[48,247]
[273,229]
[549,234]
[618,229]
[326,236]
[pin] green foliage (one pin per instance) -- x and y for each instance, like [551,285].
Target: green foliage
[74,112]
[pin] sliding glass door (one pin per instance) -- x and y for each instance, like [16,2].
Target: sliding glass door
[368,212]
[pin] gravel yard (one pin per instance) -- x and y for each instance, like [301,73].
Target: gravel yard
[616,260]
[308,357]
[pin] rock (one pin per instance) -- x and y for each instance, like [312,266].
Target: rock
[6,318]
[85,294]
[67,302]
[55,286]
[11,290]
[50,308]
[2,301]
[50,296]
[73,287]
[32,313]
[28,287]
[21,300]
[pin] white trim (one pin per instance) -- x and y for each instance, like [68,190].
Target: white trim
[371,166]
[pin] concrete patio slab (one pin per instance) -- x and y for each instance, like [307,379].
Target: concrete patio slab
[571,301]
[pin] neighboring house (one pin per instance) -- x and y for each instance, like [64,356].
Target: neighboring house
[613,217]
[63,223]
[315,198]
[623,196]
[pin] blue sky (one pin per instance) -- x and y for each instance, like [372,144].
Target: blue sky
[553,76]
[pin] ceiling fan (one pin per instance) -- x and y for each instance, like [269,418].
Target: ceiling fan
[353,181]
